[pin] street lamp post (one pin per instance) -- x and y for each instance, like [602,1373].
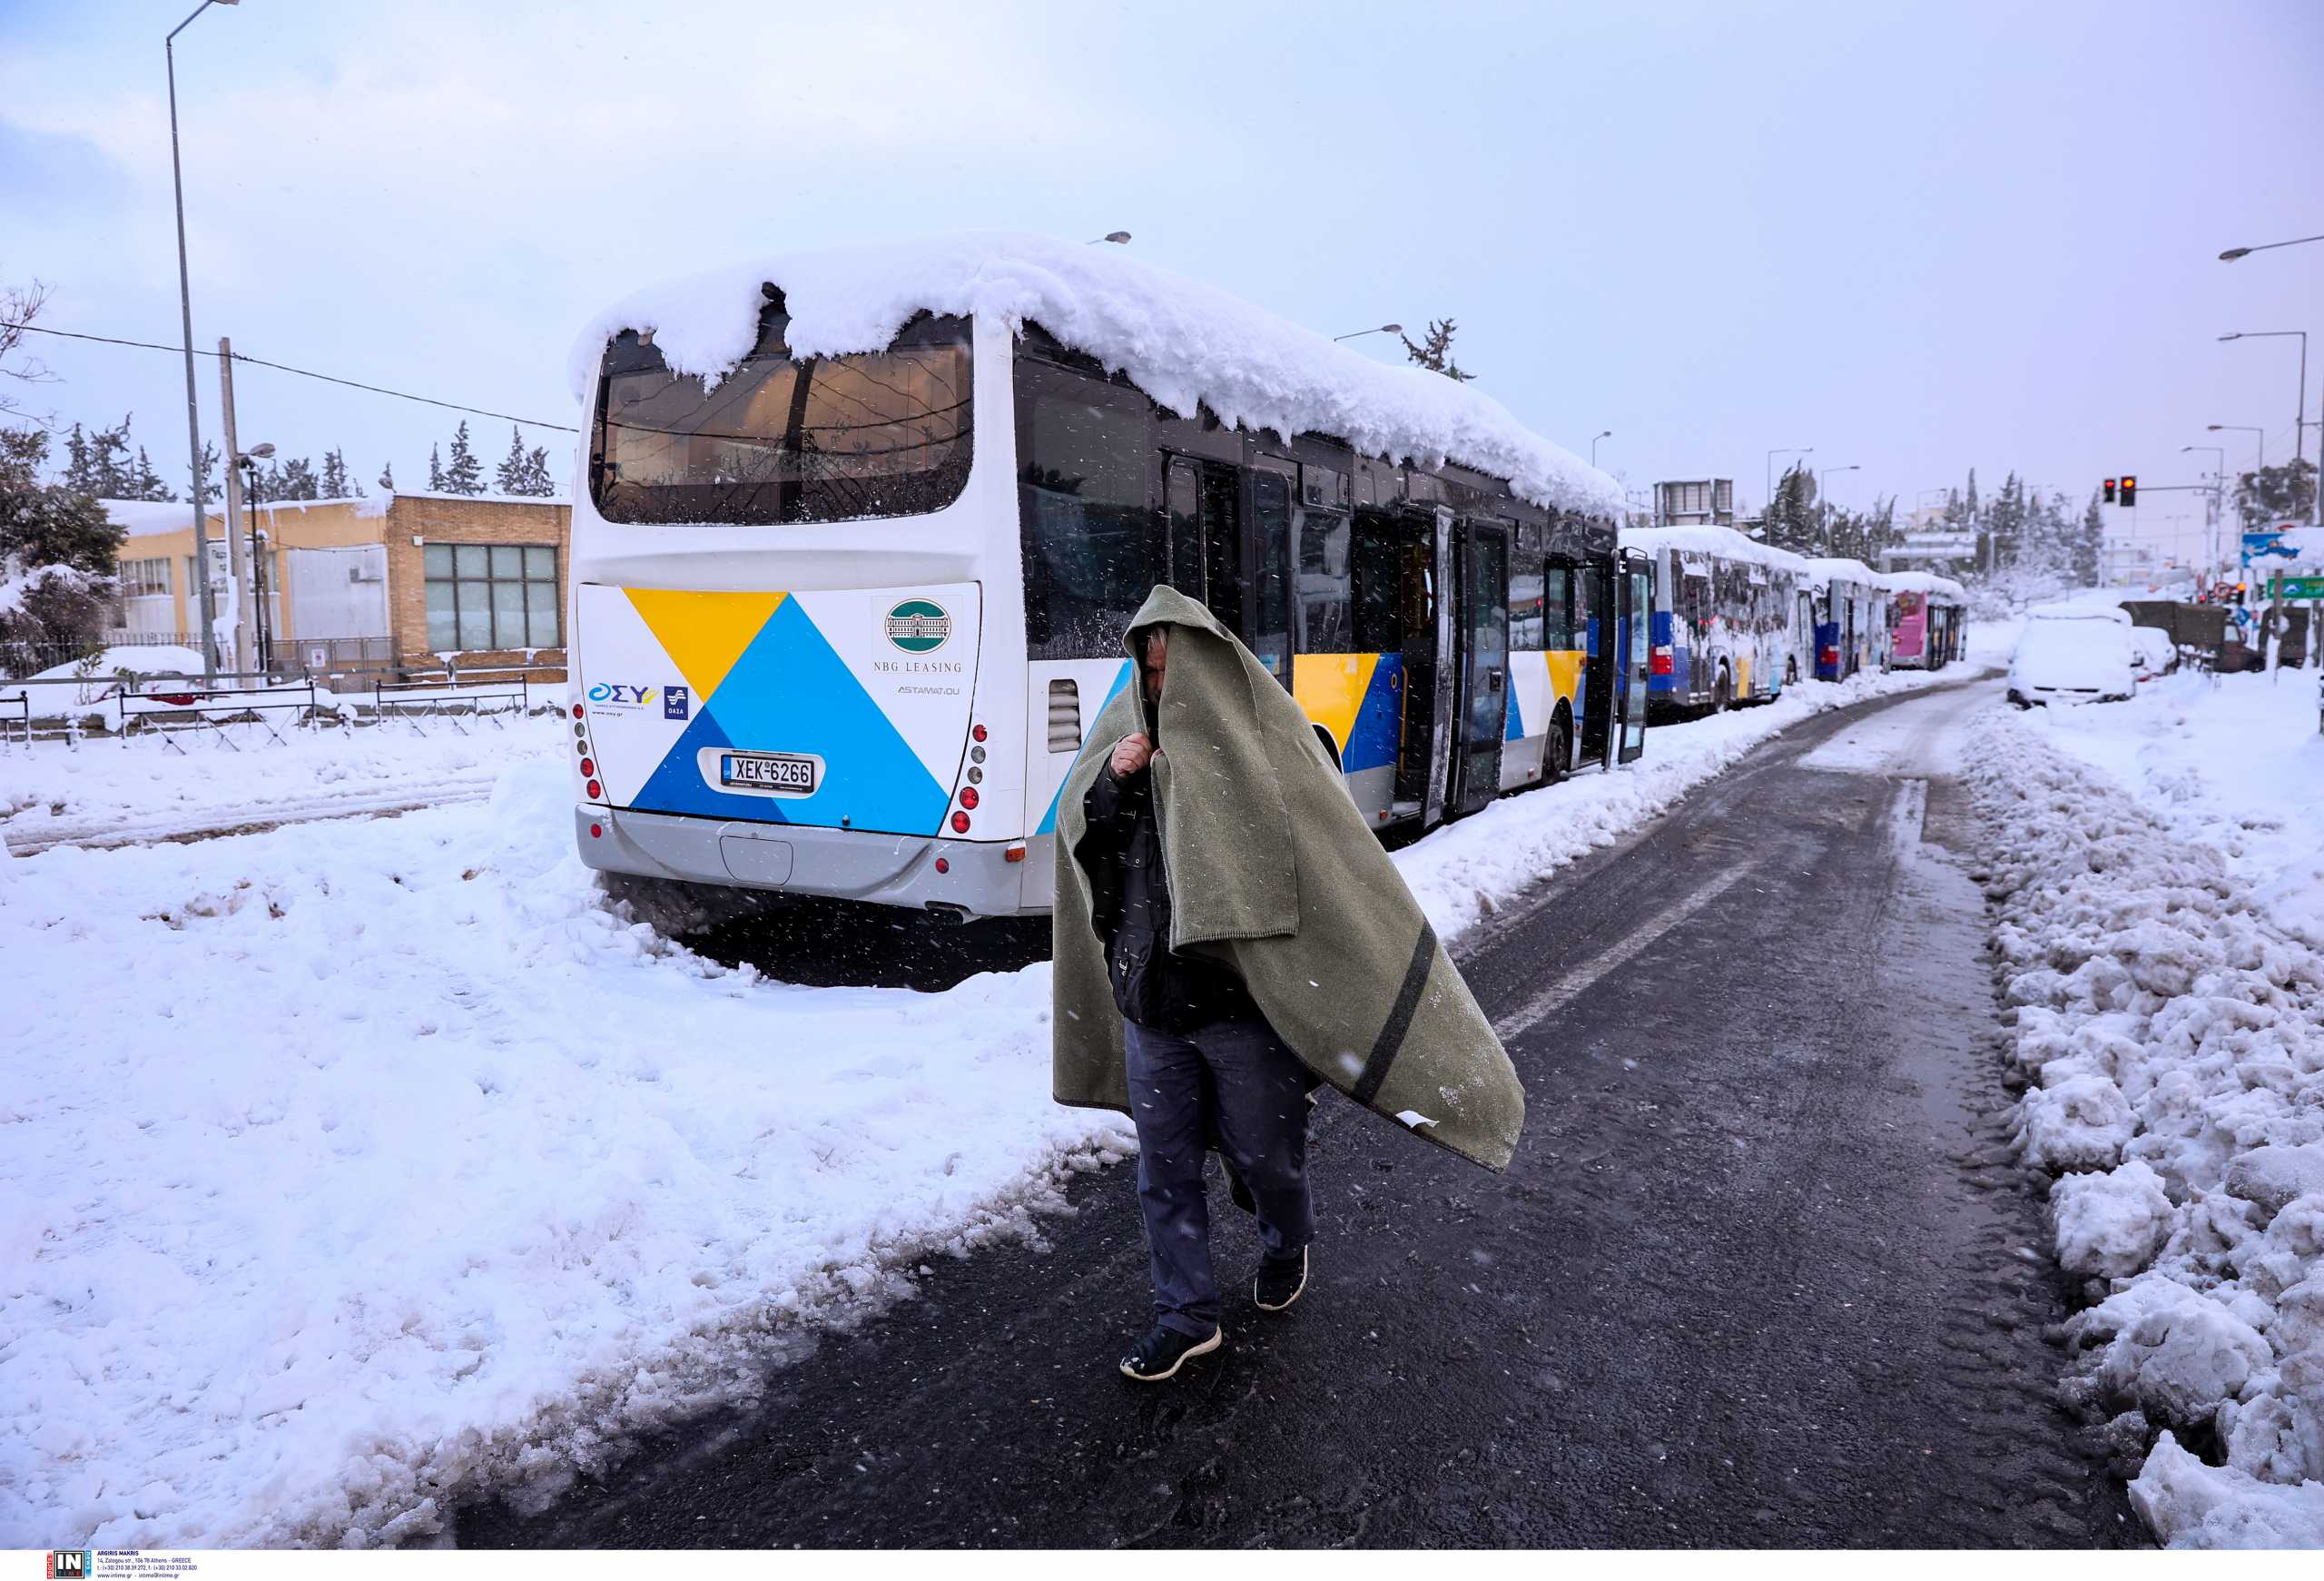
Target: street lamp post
[1594,444]
[1383,330]
[192,401]
[2232,253]
[2242,428]
[1769,503]
[1824,499]
[2316,496]
[2218,501]
[255,628]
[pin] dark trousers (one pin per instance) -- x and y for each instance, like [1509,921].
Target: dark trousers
[1237,1077]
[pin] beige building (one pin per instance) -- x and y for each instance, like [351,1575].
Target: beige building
[401,581]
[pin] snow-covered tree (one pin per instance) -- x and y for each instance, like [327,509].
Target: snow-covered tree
[434,470]
[336,482]
[58,550]
[146,483]
[2089,545]
[537,479]
[2275,495]
[1791,521]
[212,481]
[297,480]
[387,477]
[1435,354]
[464,474]
[509,476]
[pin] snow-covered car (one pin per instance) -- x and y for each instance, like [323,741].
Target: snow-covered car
[2152,652]
[2074,655]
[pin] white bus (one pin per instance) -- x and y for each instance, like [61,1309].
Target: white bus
[857,535]
[1725,607]
[1844,629]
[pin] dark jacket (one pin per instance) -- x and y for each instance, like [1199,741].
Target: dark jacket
[1153,985]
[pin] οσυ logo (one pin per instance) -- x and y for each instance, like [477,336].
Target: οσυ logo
[919,626]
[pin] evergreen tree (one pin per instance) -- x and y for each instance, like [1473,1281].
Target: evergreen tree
[146,483]
[510,478]
[2005,521]
[387,477]
[2273,496]
[435,472]
[297,480]
[1435,354]
[213,483]
[48,524]
[464,474]
[1791,521]
[2090,545]
[335,484]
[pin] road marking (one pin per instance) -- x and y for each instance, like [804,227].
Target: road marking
[1578,981]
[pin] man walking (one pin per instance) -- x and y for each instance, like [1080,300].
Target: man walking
[1229,935]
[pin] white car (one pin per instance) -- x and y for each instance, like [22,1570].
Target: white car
[2074,655]
[2152,652]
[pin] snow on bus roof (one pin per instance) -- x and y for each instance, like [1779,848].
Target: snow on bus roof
[1821,570]
[1182,342]
[1922,582]
[1723,541]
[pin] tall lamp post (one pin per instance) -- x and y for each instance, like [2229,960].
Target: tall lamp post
[260,630]
[2219,499]
[2241,427]
[2316,500]
[1594,444]
[193,403]
[1825,499]
[2232,253]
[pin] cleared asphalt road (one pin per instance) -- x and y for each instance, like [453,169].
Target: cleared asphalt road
[1761,1274]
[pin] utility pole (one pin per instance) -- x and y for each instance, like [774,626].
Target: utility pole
[237,509]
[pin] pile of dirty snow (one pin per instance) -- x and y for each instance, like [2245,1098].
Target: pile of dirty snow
[2173,1033]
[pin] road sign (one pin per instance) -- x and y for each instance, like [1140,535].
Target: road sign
[2299,587]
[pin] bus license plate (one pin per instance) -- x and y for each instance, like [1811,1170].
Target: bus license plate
[777,771]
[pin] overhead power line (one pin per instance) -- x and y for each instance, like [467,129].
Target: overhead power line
[303,373]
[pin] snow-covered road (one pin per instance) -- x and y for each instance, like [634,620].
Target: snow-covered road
[353,1165]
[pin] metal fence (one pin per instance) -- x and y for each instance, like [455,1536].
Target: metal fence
[235,709]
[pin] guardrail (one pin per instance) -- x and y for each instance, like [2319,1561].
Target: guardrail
[444,702]
[172,713]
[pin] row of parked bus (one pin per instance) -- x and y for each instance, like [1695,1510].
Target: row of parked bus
[846,601]
[1735,621]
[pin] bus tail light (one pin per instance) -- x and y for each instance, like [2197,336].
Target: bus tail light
[968,797]
[942,865]
[1658,663]
[594,789]
[959,823]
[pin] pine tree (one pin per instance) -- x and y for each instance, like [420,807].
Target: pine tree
[297,480]
[334,484]
[387,477]
[1435,354]
[79,476]
[2273,496]
[48,524]
[465,473]
[145,482]
[435,472]
[1791,513]
[2090,545]
[510,478]
[213,483]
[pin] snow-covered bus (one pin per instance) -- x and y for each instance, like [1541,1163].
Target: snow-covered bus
[858,532]
[1845,606]
[1724,609]
[1926,614]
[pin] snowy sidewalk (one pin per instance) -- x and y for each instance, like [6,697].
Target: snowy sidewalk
[2173,1029]
[353,1167]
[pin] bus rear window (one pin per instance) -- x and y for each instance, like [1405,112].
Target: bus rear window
[817,438]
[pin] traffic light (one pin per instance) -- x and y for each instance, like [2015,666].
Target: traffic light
[2110,491]
[2130,490]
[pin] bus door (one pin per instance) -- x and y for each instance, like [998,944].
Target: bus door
[1600,677]
[1636,619]
[1400,618]
[1482,713]
[1266,627]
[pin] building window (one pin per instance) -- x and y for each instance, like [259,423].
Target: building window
[145,578]
[490,596]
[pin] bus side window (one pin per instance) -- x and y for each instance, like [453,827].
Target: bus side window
[1270,636]
[1379,624]
[1184,491]
[1557,610]
[1092,537]
[1324,607]
[1525,627]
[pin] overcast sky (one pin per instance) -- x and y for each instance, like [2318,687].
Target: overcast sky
[1917,240]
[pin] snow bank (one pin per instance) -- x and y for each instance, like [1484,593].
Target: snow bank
[2233,761]
[1821,570]
[2176,1035]
[1183,343]
[54,794]
[356,1167]
[1923,582]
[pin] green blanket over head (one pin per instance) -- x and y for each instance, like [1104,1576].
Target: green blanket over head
[1273,871]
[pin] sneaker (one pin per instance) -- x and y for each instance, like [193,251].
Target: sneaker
[1164,1351]
[1278,1284]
